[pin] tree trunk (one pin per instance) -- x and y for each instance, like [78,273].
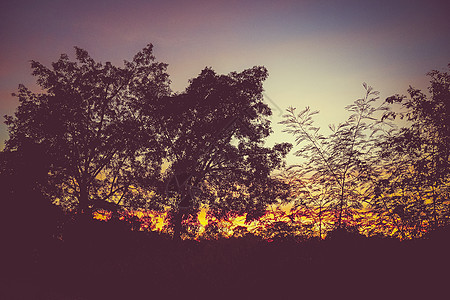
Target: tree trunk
[177,220]
[434,209]
[84,199]
[320,222]
[341,208]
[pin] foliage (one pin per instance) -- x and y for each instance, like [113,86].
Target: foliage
[415,187]
[98,137]
[213,135]
[89,120]
[340,167]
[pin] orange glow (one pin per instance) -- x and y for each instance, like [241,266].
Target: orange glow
[275,223]
[102,215]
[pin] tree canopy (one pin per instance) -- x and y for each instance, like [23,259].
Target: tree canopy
[89,121]
[215,132]
[119,135]
[414,187]
[109,137]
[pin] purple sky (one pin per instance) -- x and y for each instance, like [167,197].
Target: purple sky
[318,53]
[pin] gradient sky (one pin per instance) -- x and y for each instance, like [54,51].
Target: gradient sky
[318,53]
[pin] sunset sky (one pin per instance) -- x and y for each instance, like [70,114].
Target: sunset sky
[318,53]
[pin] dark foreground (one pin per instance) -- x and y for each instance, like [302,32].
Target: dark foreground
[105,261]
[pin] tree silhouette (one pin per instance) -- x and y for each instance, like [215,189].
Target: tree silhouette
[89,122]
[414,188]
[339,168]
[213,134]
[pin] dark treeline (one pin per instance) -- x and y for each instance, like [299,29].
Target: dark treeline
[108,261]
[100,137]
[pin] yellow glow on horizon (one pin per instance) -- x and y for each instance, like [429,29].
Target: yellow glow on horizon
[202,218]
[102,215]
[297,222]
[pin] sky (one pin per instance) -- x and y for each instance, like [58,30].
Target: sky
[318,53]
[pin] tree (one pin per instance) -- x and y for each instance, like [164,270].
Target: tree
[90,124]
[213,135]
[414,189]
[339,168]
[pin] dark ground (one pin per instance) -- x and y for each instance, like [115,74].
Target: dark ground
[106,261]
